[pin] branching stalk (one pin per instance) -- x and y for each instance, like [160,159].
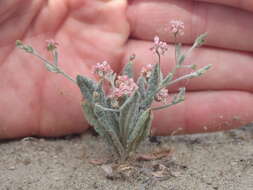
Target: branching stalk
[55,66]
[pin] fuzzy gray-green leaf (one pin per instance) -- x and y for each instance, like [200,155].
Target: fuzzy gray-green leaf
[141,86]
[128,113]
[87,87]
[113,115]
[152,86]
[94,122]
[128,68]
[105,121]
[99,95]
[200,40]
[91,118]
[141,130]
[153,81]
[51,68]
[99,98]
[167,79]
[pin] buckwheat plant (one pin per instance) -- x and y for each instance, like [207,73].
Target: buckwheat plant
[123,116]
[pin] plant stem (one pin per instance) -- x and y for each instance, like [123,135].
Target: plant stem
[55,66]
[178,79]
[67,76]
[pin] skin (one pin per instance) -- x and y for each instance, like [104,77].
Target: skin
[36,102]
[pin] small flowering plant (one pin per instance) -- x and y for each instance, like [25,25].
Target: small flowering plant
[123,116]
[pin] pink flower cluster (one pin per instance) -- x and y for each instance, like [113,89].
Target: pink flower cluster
[51,44]
[162,96]
[123,86]
[177,27]
[102,69]
[159,46]
[146,70]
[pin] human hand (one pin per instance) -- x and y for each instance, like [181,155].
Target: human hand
[36,102]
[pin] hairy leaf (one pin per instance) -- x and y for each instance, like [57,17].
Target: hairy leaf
[87,87]
[105,121]
[91,118]
[114,116]
[99,95]
[128,68]
[55,54]
[141,130]
[52,68]
[93,121]
[100,98]
[153,84]
[141,86]
[167,79]
[128,113]
[200,40]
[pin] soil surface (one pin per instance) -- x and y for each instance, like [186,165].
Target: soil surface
[218,161]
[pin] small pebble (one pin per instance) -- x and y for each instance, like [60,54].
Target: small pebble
[12,168]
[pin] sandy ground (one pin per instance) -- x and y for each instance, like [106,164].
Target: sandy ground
[219,161]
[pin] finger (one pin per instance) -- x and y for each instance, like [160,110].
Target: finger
[224,25]
[36,112]
[230,71]
[50,107]
[17,15]
[205,112]
[242,4]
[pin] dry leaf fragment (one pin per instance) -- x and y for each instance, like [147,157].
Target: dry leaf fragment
[124,167]
[155,155]
[98,162]
[158,174]
[161,171]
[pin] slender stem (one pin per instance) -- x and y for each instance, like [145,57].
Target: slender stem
[186,55]
[181,78]
[40,57]
[159,64]
[67,76]
[175,55]
[178,79]
[190,50]
[55,55]
[55,66]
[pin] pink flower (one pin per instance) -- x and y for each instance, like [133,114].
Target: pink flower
[51,44]
[162,96]
[102,69]
[123,86]
[146,70]
[177,27]
[159,46]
